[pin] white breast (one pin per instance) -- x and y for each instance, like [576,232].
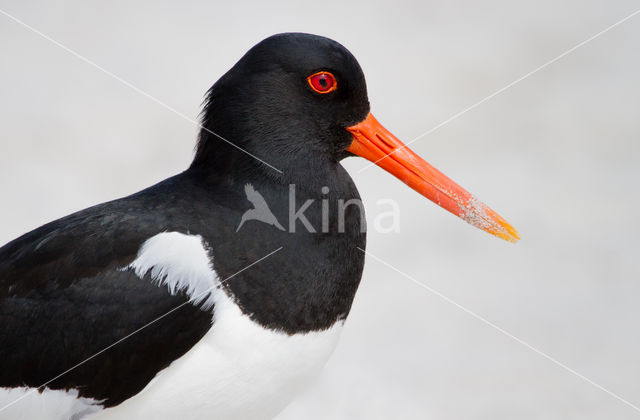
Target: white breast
[29,404]
[239,370]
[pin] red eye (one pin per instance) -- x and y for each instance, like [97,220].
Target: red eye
[322,82]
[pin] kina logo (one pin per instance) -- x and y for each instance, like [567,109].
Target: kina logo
[260,210]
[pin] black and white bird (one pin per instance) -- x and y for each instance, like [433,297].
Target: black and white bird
[153,306]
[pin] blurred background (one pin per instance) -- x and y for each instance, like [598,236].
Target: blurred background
[558,155]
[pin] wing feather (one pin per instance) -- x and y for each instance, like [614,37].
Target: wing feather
[64,297]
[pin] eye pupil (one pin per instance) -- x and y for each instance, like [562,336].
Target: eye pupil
[322,82]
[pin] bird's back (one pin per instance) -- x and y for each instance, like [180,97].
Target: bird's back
[65,295]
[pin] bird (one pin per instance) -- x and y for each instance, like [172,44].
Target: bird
[158,306]
[260,210]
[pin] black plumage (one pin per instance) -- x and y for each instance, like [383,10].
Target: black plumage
[65,292]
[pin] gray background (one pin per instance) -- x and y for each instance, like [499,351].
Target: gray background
[557,155]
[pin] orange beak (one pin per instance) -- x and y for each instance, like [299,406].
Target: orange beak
[374,142]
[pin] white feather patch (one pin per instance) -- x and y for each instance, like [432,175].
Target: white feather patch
[180,262]
[29,404]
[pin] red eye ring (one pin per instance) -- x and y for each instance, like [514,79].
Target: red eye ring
[322,82]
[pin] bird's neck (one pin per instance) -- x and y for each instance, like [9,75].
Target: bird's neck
[318,244]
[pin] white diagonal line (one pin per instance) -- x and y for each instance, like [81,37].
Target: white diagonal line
[503,331]
[128,84]
[499,91]
[192,299]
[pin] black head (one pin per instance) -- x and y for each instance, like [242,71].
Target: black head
[267,106]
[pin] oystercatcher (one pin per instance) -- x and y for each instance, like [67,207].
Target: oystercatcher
[219,292]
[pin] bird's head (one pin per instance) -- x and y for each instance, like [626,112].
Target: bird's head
[296,104]
[289,98]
